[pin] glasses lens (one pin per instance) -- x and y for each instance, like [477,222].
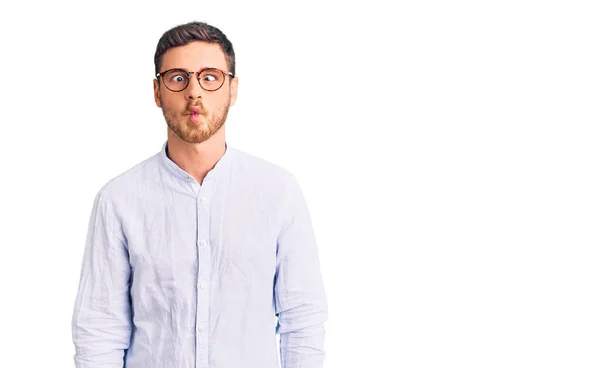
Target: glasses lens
[176,80]
[211,79]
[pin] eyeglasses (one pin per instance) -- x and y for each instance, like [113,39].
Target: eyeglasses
[210,79]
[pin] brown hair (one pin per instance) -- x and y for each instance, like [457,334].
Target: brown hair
[193,31]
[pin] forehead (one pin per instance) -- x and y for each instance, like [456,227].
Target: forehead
[194,56]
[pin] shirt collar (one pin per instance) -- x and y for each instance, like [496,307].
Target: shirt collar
[221,166]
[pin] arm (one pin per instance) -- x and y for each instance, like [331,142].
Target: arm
[101,323]
[300,300]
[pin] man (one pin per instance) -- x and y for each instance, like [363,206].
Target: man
[199,255]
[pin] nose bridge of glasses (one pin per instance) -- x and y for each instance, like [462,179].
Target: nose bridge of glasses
[197,78]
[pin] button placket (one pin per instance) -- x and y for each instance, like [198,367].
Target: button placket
[204,269]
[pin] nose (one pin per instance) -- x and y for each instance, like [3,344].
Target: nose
[193,90]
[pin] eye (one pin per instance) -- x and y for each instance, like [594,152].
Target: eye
[209,78]
[179,78]
[176,78]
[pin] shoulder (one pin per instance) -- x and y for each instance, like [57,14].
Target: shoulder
[263,171]
[135,180]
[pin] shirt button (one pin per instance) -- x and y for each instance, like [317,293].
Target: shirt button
[203,243]
[203,286]
[203,200]
[201,329]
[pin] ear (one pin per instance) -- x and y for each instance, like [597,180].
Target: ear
[156,92]
[233,90]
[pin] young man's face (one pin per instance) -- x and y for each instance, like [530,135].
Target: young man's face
[213,106]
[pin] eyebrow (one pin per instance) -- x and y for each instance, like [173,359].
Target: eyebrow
[205,67]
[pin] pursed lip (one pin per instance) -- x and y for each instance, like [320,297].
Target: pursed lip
[194,110]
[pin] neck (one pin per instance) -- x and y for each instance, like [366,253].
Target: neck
[197,159]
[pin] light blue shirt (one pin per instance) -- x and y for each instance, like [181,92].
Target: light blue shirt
[181,275]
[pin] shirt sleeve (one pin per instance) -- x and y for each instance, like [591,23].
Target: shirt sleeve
[101,321]
[300,300]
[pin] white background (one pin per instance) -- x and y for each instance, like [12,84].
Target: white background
[448,151]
